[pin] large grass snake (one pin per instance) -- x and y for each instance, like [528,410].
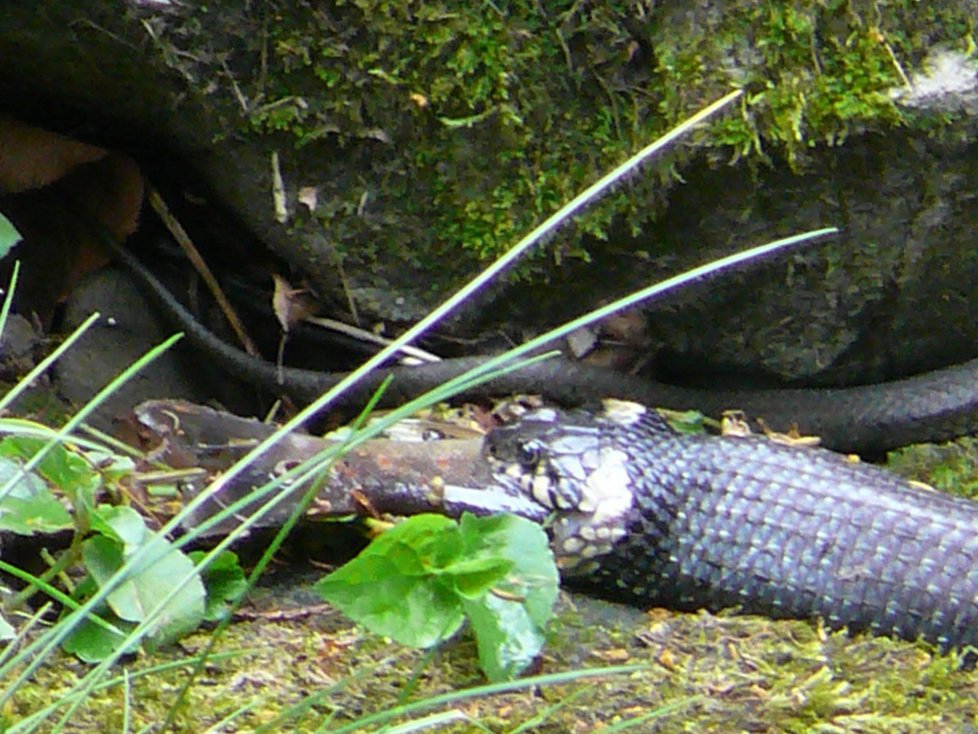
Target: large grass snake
[648,515]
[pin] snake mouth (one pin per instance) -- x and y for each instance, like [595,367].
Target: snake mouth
[584,530]
[501,497]
[580,480]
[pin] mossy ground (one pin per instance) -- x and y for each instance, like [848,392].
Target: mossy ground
[720,672]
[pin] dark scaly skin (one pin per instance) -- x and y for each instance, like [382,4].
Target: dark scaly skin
[868,419]
[719,522]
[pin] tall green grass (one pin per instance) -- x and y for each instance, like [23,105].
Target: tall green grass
[21,662]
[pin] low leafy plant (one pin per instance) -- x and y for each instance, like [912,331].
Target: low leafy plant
[418,582]
[9,236]
[37,503]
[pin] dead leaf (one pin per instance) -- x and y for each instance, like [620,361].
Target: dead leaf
[309,197]
[31,157]
[290,304]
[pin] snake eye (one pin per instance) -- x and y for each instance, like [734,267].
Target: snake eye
[528,453]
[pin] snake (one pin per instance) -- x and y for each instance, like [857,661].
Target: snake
[645,514]
[865,419]
[642,513]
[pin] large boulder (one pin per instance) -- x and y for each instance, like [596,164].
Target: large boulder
[410,143]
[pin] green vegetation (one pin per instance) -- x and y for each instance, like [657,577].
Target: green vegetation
[496,572]
[9,236]
[151,592]
[133,576]
[496,98]
[951,467]
[420,96]
[104,536]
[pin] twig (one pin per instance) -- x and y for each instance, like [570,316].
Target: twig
[193,254]
[368,336]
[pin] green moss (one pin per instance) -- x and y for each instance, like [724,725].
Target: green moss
[297,664]
[950,467]
[467,124]
[725,673]
[815,72]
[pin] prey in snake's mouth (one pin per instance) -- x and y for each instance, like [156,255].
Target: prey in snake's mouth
[566,462]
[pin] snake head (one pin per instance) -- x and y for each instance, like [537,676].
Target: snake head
[576,465]
[522,456]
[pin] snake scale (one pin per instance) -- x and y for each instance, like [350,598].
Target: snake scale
[642,513]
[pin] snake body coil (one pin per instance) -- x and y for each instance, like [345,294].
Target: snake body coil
[934,406]
[651,516]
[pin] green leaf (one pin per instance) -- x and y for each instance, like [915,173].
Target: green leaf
[510,620]
[7,631]
[68,470]
[394,587]
[508,640]
[417,582]
[123,524]
[94,643]
[154,578]
[225,582]
[9,236]
[111,466]
[473,577]
[686,421]
[61,467]
[29,506]
[102,556]
[525,545]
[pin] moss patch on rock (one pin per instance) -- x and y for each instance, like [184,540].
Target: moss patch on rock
[442,132]
[697,672]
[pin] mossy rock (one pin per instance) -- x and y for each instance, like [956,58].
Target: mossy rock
[435,134]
